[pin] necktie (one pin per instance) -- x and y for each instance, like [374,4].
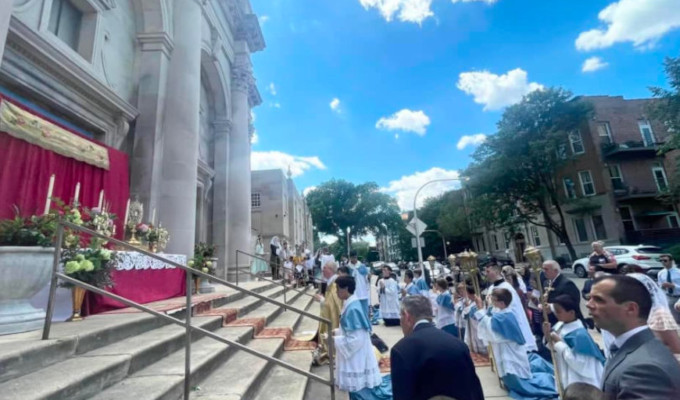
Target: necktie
[668,279]
[613,349]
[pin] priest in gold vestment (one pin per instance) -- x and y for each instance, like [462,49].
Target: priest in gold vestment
[331,306]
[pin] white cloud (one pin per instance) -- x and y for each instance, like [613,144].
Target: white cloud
[593,64]
[404,189]
[405,120]
[264,19]
[307,190]
[415,11]
[260,160]
[272,89]
[496,91]
[642,22]
[335,105]
[471,140]
[473,1]
[255,138]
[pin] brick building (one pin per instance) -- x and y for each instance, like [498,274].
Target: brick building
[611,185]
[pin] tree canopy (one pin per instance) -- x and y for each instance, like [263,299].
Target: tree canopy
[514,174]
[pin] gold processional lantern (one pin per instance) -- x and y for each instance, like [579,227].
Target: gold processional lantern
[536,262]
[470,264]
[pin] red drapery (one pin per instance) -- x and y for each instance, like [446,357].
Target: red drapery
[25,171]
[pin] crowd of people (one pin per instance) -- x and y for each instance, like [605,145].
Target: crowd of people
[540,344]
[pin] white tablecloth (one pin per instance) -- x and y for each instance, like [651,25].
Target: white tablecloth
[129,260]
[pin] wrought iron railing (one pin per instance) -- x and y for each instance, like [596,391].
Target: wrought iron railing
[56,276]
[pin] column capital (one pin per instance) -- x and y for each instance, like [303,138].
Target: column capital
[222,127]
[156,41]
[242,75]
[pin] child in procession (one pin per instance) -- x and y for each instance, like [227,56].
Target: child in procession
[446,313]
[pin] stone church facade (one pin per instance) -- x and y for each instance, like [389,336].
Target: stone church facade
[169,82]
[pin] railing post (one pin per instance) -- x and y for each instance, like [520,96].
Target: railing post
[187,337]
[331,359]
[237,267]
[53,283]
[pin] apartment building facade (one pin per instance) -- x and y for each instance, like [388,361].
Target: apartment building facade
[611,185]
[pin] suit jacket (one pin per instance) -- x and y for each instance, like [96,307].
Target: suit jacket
[430,362]
[562,285]
[643,368]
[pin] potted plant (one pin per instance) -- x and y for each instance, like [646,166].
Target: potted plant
[204,260]
[26,256]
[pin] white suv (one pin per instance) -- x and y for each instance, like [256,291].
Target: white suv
[645,256]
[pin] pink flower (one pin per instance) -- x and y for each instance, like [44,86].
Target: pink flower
[143,228]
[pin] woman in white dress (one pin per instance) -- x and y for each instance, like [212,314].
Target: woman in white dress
[258,266]
[389,298]
[356,365]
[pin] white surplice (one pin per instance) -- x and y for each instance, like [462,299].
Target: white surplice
[518,310]
[575,367]
[511,357]
[389,300]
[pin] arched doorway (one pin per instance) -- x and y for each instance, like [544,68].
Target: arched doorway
[520,245]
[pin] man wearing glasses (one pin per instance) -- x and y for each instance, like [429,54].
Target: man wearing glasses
[669,280]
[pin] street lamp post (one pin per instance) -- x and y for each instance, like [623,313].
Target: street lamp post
[415,217]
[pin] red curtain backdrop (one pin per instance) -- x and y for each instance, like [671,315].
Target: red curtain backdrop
[25,171]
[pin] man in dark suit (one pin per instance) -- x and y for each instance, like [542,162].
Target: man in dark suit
[640,367]
[559,284]
[429,362]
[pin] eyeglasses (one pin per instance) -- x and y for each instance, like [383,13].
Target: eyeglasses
[665,260]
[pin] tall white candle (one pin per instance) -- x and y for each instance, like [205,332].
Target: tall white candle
[49,195]
[153,216]
[101,199]
[76,199]
[127,211]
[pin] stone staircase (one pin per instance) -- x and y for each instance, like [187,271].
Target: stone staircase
[137,356]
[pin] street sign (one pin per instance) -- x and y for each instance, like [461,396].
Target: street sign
[411,226]
[413,242]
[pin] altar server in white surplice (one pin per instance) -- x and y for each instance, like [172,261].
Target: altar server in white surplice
[493,275]
[361,277]
[389,298]
[501,330]
[578,357]
[356,365]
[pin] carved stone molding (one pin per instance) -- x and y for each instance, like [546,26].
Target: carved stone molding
[242,75]
[222,128]
[249,30]
[107,4]
[156,41]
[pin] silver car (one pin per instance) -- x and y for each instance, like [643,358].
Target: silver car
[645,256]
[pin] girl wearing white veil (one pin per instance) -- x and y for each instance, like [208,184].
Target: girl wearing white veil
[660,319]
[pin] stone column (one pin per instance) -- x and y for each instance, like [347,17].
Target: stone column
[177,200]
[5,15]
[147,153]
[239,160]
[222,131]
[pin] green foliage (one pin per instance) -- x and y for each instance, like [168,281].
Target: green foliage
[337,204]
[36,230]
[514,176]
[91,265]
[674,251]
[204,254]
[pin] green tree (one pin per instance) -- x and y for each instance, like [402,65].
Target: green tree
[513,178]
[337,205]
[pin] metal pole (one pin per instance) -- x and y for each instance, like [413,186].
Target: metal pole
[53,283]
[444,245]
[187,337]
[237,267]
[331,360]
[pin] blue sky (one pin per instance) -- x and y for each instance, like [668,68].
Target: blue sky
[413,77]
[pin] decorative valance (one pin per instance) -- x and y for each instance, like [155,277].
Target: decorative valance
[29,127]
[128,261]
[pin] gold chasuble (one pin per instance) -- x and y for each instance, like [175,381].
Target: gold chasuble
[331,309]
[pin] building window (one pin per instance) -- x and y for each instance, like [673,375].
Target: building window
[576,143]
[580,229]
[535,236]
[646,132]
[255,200]
[673,221]
[616,177]
[627,218]
[660,178]
[569,190]
[598,227]
[604,132]
[561,152]
[495,241]
[65,21]
[587,185]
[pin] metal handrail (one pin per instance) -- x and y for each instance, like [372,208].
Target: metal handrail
[282,282]
[56,275]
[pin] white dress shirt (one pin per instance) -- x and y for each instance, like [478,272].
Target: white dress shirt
[623,338]
[662,277]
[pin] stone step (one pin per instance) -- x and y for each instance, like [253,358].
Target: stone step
[242,374]
[28,353]
[207,354]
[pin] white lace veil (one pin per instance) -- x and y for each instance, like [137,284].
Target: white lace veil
[275,241]
[658,296]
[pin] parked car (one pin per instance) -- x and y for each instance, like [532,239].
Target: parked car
[501,259]
[645,256]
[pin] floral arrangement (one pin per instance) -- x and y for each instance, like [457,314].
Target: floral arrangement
[204,256]
[102,222]
[158,235]
[36,230]
[142,230]
[90,265]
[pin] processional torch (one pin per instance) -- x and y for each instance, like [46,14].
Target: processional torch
[470,264]
[535,261]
